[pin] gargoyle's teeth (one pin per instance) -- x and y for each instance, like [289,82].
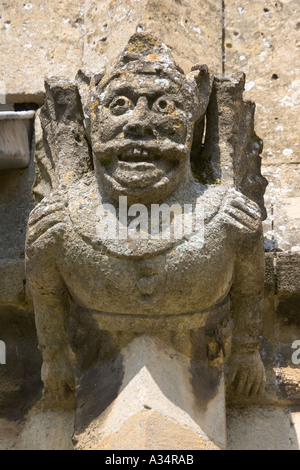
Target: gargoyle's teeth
[135,154]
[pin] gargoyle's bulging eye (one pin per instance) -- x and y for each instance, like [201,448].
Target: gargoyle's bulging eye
[120,105]
[162,105]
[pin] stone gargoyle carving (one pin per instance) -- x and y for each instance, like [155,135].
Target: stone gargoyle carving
[146,132]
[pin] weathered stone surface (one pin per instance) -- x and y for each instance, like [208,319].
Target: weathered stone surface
[9,431]
[12,283]
[273,428]
[143,119]
[15,205]
[38,39]
[20,383]
[281,229]
[231,152]
[281,327]
[265,42]
[288,273]
[41,39]
[171,401]
[148,430]
[263,39]
[46,430]
[183,26]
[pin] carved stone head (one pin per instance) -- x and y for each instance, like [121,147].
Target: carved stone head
[143,113]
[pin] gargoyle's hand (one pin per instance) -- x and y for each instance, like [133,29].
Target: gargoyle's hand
[241,212]
[59,380]
[246,376]
[46,216]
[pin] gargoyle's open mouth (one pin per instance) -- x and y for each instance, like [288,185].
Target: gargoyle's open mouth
[138,154]
[139,165]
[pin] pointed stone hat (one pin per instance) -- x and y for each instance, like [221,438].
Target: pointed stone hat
[145,54]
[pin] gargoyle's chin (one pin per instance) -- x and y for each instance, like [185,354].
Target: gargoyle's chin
[143,173]
[143,184]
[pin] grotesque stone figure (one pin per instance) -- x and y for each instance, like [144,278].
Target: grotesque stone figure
[145,131]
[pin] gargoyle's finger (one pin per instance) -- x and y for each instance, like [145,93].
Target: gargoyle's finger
[255,387]
[248,209]
[242,381]
[231,376]
[262,384]
[258,385]
[248,386]
[240,218]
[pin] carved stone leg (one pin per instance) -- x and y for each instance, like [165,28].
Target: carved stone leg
[149,396]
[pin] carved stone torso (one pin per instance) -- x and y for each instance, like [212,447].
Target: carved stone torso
[146,132]
[162,277]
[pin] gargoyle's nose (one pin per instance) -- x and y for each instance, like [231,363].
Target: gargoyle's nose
[138,125]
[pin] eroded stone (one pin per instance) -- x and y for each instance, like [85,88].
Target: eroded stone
[132,133]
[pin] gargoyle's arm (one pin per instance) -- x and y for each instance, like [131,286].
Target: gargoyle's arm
[246,370]
[50,298]
[51,308]
[247,294]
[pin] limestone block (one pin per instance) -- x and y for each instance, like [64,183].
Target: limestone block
[178,403]
[282,202]
[20,382]
[12,282]
[288,273]
[46,430]
[9,431]
[38,39]
[263,39]
[15,205]
[268,428]
[151,430]
[269,272]
[192,29]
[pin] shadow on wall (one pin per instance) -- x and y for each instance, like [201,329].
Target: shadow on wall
[20,382]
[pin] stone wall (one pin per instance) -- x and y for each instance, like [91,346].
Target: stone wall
[260,38]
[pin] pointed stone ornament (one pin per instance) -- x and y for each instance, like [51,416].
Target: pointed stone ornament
[149,396]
